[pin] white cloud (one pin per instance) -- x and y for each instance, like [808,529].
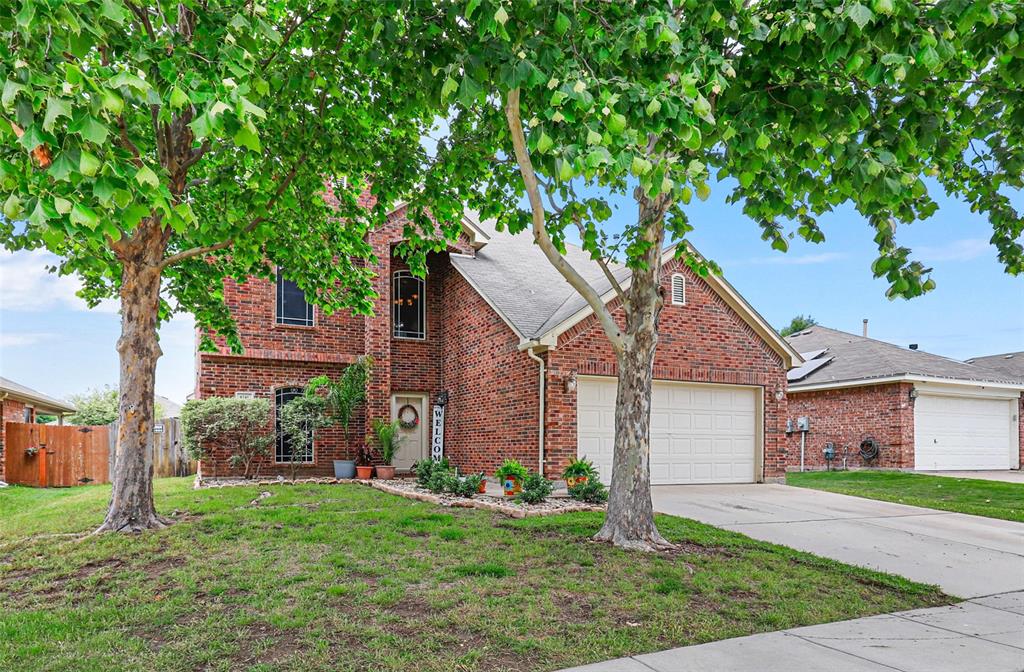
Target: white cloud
[26,284]
[797,260]
[9,340]
[956,250]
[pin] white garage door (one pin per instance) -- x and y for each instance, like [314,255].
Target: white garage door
[962,433]
[699,433]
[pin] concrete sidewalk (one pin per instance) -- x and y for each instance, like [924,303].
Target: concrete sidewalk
[984,634]
[967,556]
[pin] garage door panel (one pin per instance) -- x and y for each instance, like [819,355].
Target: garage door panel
[699,433]
[962,433]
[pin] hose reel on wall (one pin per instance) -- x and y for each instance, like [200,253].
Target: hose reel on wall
[869,449]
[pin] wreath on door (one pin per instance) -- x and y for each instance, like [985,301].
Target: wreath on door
[408,417]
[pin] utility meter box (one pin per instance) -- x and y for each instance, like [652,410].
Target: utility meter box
[803,424]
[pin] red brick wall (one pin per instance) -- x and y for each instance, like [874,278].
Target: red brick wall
[847,416]
[10,411]
[703,341]
[492,412]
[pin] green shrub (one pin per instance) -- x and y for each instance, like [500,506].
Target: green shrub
[591,492]
[511,469]
[388,437]
[241,427]
[442,480]
[536,489]
[425,468]
[467,486]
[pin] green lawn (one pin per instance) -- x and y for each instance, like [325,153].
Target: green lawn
[994,499]
[349,578]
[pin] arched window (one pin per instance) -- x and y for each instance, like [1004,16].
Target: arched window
[408,306]
[678,290]
[283,450]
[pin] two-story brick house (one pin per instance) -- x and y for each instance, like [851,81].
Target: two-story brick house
[518,360]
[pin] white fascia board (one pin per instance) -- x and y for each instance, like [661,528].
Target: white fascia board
[865,382]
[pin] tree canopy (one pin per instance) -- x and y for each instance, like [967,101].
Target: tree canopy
[798,324]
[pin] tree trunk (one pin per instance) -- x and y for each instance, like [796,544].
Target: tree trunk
[630,519]
[131,502]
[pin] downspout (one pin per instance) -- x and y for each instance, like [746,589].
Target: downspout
[540,420]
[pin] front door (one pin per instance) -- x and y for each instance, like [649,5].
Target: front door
[410,409]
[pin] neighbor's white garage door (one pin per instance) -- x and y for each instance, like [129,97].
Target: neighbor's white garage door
[699,433]
[962,433]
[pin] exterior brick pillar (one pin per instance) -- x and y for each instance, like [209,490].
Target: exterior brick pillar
[377,337]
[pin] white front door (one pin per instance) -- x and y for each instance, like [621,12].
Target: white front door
[413,447]
[699,433]
[963,433]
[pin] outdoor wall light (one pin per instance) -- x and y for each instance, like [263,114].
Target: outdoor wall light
[913,393]
[779,393]
[570,382]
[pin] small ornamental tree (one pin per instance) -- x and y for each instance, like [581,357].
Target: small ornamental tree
[793,106]
[301,419]
[798,324]
[239,427]
[159,147]
[99,407]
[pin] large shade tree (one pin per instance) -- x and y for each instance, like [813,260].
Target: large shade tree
[157,147]
[793,106]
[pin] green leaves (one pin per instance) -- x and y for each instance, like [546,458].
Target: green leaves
[146,176]
[859,14]
[55,108]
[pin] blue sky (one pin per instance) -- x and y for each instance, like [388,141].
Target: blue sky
[51,342]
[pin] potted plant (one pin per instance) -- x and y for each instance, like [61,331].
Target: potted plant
[579,471]
[482,487]
[389,439]
[511,475]
[364,463]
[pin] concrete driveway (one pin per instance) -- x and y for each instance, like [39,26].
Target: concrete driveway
[968,556]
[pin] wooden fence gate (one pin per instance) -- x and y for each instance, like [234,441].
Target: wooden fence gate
[56,456]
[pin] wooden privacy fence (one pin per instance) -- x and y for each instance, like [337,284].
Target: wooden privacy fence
[61,456]
[169,455]
[56,456]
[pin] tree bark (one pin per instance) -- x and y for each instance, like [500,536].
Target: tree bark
[131,502]
[630,519]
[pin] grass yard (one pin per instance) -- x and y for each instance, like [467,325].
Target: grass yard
[349,578]
[994,499]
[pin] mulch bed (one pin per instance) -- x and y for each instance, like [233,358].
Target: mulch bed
[409,489]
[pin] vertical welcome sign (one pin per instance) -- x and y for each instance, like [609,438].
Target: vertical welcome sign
[437,433]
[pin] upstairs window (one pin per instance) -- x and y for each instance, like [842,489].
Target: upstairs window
[284,448]
[408,309]
[292,307]
[678,290]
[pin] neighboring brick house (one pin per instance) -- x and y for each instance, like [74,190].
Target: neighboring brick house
[497,335]
[19,403]
[924,412]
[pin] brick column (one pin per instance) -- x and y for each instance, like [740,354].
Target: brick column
[377,337]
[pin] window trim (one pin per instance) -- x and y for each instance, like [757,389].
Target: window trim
[395,277]
[682,288]
[279,318]
[279,435]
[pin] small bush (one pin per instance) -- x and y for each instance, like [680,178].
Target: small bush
[442,480]
[467,486]
[536,489]
[590,492]
[425,469]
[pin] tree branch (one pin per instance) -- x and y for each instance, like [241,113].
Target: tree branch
[256,221]
[540,234]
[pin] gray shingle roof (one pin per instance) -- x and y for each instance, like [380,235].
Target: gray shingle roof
[1008,364]
[855,358]
[41,401]
[513,274]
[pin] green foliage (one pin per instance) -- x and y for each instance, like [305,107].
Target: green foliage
[580,467]
[535,490]
[301,418]
[44,419]
[347,393]
[467,486]
[511,469]
[798,324]
[99,407]
[424,469]
[241,427]
[591,491]
[388,438]
[442,480]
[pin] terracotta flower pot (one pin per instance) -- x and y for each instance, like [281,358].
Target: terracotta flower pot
[385,472]
[364,473]
[573,481]
[483,487]
[512,486]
